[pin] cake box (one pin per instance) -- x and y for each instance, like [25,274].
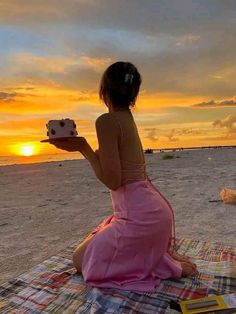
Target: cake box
[61,129]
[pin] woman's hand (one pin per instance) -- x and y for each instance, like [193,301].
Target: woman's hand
[73,144]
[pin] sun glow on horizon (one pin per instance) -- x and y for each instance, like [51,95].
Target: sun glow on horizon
[26,149]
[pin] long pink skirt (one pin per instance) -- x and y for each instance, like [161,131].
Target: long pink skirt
[129,249]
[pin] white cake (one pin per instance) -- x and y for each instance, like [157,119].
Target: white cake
[61,128]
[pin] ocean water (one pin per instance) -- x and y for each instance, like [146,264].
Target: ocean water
[13,160]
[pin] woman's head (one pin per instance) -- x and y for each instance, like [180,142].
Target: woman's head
[120,84]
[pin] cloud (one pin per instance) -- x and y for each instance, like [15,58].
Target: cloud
[20,88]
[168,40]
[164,16]
[171,136]
[97,64]
[213,104]
[151,134]
[228,123]
[188,39]
[81,72]
[28,62]
[174,134]
[12,96]
[6,97]
[189,131]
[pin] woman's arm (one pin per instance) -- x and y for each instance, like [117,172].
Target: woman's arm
[105,161]
[93,159]
[108,153]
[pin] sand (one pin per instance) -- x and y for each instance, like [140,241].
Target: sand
[45,207]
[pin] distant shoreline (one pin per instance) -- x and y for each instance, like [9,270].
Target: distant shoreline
[173,149]
[17,160]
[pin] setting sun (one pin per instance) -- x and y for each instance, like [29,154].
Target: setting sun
[27,150]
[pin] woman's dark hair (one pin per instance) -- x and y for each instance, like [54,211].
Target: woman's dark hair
[121,82]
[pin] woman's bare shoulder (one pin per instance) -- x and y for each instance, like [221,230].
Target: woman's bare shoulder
[106,121]
[103,117]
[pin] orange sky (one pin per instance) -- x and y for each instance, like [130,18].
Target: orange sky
[160,124]
[51,64]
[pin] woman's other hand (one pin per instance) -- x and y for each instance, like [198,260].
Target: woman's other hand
[73,144]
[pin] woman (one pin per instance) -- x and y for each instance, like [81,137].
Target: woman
[131,249]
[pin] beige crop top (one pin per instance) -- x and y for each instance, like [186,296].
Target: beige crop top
[131,170]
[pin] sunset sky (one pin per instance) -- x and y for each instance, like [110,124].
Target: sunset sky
[53,53]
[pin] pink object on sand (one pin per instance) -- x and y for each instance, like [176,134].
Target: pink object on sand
[129,248]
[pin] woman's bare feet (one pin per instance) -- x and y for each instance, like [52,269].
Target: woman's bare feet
[183,259]
[188,269]
[179,257]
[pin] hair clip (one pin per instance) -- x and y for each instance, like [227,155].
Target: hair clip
[129,77]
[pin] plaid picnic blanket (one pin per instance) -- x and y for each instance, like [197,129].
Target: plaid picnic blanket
[54,287]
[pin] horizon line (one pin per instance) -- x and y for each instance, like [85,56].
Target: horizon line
[145,149]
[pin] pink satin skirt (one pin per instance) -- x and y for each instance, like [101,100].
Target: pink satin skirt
[130,248]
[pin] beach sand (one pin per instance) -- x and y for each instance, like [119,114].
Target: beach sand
[45,207]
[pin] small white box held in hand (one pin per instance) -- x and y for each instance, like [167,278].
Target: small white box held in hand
[61,129]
